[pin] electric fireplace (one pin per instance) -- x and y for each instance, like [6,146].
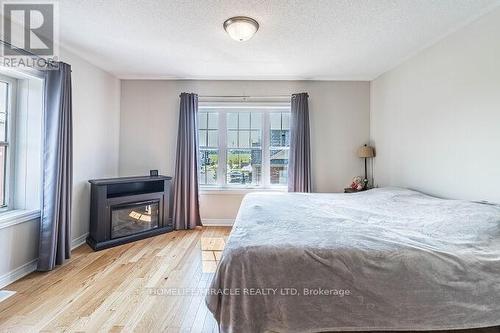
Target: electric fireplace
[127,209]
[129,219]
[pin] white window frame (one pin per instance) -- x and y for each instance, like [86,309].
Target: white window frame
[222,108]
[10,143]
[26,111]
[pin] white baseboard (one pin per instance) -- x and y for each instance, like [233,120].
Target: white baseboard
[4,294]
[18,273]
[76,242]
[217,222]
[29,267]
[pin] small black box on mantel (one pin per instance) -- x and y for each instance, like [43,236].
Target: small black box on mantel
[126,209]
[153,173]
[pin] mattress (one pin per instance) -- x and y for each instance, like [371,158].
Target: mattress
[384,259]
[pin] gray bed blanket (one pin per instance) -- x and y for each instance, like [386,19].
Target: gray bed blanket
[385,259]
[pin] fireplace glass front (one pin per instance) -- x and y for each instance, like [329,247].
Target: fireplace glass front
[134,218]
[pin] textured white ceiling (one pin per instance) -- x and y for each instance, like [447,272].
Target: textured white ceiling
[308,39]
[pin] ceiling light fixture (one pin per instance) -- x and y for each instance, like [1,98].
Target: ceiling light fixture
[241,28]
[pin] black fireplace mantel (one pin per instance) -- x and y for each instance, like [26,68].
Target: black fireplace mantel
[124,180]
[115,194]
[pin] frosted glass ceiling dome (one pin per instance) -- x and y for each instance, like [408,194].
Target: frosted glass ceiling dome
[241,28]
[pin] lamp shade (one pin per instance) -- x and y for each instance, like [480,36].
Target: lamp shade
[366,152]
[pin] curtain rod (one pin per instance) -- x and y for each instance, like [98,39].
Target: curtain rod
[30,54]
[245,96]
[23,51]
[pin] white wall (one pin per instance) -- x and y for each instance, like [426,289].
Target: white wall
[435,120]
[18,250]
[96,126]
[339,115]
[96,119]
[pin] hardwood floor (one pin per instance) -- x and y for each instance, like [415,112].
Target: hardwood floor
[123,289]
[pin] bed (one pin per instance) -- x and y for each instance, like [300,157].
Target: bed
[384,259]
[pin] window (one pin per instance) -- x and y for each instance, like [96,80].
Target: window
[279,147]
[7,100]
[242,146]
[21,119]
[208,136]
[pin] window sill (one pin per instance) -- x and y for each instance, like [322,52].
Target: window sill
[17,216]
[238,191]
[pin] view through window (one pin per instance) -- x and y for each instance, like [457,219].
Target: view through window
[244,147]
[4,141]
[21,121]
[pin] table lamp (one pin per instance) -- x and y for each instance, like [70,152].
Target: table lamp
[366,152]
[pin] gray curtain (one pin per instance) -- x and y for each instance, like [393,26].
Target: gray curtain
[299,162]
[186,213]
[55,233]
